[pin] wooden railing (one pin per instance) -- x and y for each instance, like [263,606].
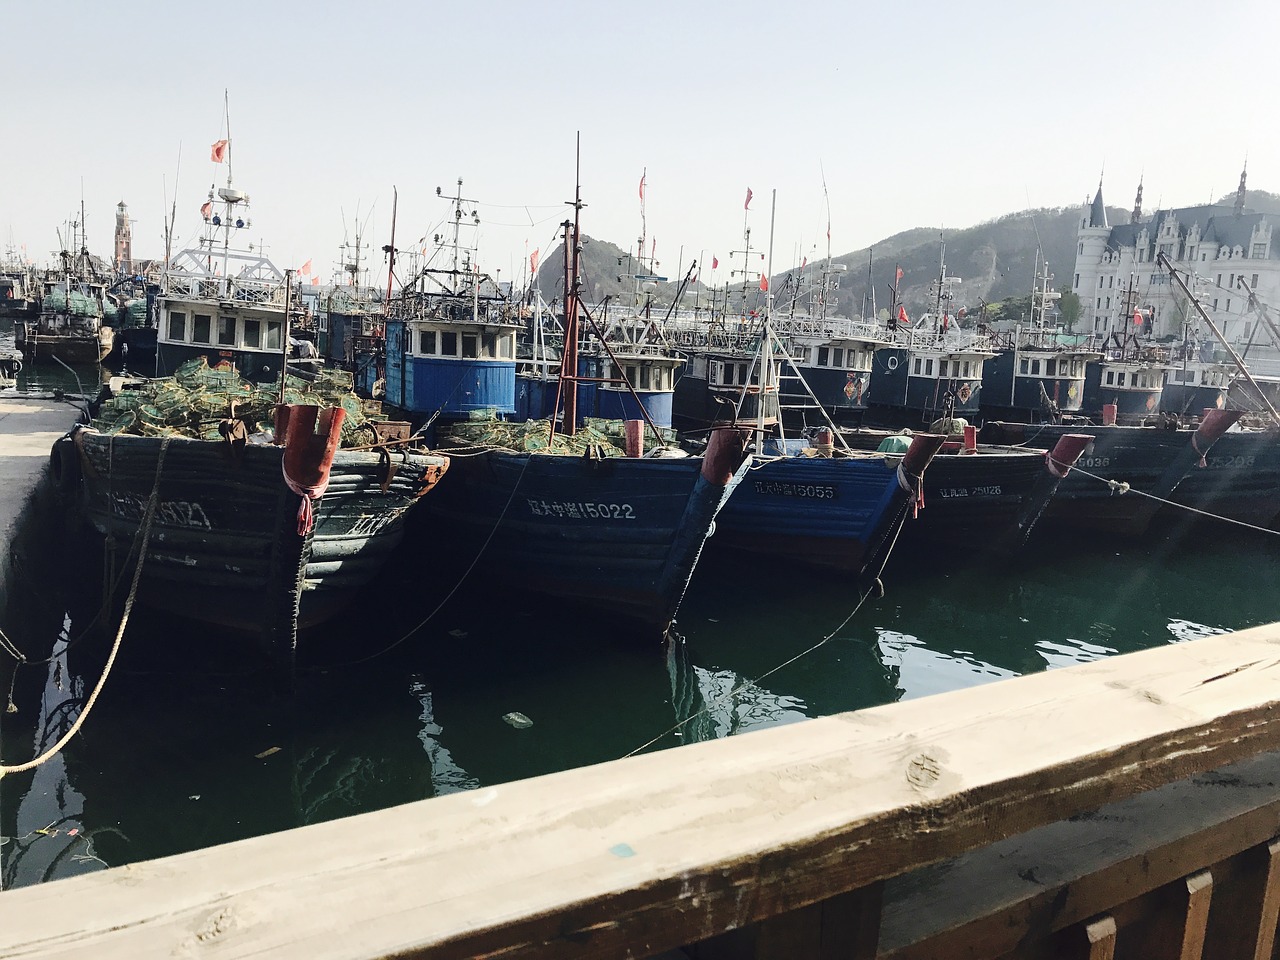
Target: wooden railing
[1128,807]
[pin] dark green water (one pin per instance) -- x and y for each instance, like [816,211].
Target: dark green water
[187,747]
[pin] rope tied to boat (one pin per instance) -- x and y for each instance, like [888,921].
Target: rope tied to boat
[308,453]
[913,484]
[144,536]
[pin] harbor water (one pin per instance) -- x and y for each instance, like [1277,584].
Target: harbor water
[422,689]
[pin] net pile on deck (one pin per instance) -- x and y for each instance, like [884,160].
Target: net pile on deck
[608,437]
[198,398]
[80,305]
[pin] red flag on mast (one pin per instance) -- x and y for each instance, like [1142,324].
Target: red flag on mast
[218,152]
[902,314]
[764,283]
[533,261]
[747,205]
[715,262]
[206,209]
[642,176]
[899,275]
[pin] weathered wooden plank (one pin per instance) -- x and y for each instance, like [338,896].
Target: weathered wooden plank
[1100,939]
[986,902]
[638,856]
[845,927]
[1246,905]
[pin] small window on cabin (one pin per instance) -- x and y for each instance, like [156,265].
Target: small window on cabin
[917,369]
[824,356]
[837,357]
[177,325]
[1024,366]
[470,343]
[201,328]
[928,367]
[1120,379]
[252,333]
[426,342]
[644,378]
[1035,368]
[226,331]
[631,374]
[1051,368]
[1111,376]
[449,344]
[742,374]
[507,346]
[488,345]
[273,335]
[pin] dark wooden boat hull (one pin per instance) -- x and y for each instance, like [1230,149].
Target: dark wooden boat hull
[1240,478]
[225,534]
[618,534]
[49,347]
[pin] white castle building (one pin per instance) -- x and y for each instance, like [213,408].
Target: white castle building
[1222,252]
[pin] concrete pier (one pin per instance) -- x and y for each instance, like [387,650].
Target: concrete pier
[28,427]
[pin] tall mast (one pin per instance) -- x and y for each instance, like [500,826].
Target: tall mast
[572,254]
[391,249]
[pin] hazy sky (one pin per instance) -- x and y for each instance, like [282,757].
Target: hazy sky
[920,114]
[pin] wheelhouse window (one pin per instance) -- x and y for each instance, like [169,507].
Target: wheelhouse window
[426,342]
[645,378]
[488,345]
[470,343]
[824,356]
[253,333]
[226,331]
[201,328]
[448,344]
[507,346]
[918,365]
[1111,376]
[928,367]
[1051,368]
[177,325]
[837,357]
[1024,366]
[273,335]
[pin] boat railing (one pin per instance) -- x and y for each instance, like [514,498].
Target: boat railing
[1126,807]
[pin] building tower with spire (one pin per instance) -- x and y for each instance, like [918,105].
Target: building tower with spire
[1137,204]
[124,240]
[1091,244]
[1239,208]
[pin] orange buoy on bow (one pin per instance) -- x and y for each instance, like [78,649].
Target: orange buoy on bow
[308,452]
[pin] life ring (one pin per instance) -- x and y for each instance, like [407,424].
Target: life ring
[892,363]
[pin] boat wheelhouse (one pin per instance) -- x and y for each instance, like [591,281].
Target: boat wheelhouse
[451,334]
[1192,386]
[635,368]
[835,357]
[925,376]
[1038,376]
[1133,386]
[19,294]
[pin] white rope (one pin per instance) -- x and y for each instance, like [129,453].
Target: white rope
[1121,487]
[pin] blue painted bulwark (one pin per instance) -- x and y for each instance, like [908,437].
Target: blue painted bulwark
[618,534]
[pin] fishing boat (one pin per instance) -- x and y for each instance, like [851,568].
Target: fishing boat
[1038,371]
[19,290]
[263,509]
[820,504]
[70,326]
[1131,474]
[586,516]
[990,495]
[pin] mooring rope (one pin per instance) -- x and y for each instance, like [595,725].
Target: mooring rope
[145,535]
[461,580]
[1121,487]
[751,683]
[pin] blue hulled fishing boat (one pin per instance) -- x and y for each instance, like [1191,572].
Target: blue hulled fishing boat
[575,516]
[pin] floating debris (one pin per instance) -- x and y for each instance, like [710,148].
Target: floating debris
[517,720]
[459,634]
[266,753]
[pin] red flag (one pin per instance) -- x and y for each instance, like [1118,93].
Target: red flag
[305,268]
[804,263]
[747,205]
[1137,318]
[206,209]
[899,276]
[642,176]
[218,152]
[715,262]
[902,314]
[764,283]
[533,261]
